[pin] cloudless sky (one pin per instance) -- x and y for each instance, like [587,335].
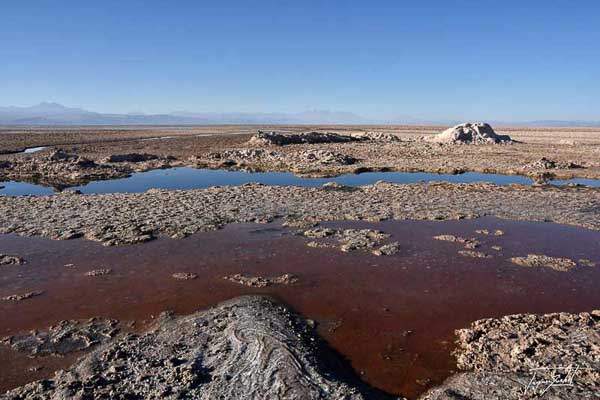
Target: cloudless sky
[509,60]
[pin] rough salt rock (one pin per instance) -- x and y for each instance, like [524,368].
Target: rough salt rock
[242,155]
[99,272]
[319,245]
[259,281]
[500,357]
[131,218]
[359,239]
[301,223]
[319,233]
[486,232]
[470,133]
[131,157]
[378,136]
[470,243]
[474,254]
[281,139]
[60,155]
[387,249]
[63,157]
[353,239]
[6,259]
[262,158]
[544,163]
[200,356]
[184,276]
[450,238]
[63,338]
[19,297]
[540,260]
[323,157]
[61,169]
[586,263]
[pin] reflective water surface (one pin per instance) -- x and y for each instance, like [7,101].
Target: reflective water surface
[393,318]
[190,178]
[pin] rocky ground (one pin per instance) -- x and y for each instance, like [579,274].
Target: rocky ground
[540,260]
[253,347]
[7,259]
[65,337]
[135,218]
[261,281]
[525,356]
[247,348]
[20,297]
[61,169]
[339,157]
[351,239]
[541,154]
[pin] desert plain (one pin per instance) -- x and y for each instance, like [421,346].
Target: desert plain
[433,289]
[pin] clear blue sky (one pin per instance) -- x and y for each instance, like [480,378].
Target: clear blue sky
[511,60]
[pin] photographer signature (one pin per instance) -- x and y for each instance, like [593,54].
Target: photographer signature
[545,378]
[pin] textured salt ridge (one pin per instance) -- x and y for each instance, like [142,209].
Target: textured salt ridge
[136,218]
[247,348]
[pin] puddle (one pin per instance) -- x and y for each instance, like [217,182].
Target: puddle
[200,135]
[34,149]
[190,178]
[228,133]
[12,188]
[364,305]
[157,138]
[578,181]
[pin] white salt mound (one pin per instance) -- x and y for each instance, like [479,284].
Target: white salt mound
[470,133]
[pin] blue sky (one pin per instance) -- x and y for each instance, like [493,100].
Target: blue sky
[496,60]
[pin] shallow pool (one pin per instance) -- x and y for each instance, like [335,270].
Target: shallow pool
[191,178]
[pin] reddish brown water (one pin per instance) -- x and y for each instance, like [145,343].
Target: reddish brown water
[393,317]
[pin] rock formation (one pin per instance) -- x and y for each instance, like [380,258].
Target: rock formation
[246,348]
[281,139]
[6,259]
[64,337]
[544,163]
[261,281]
[541,260]
[470,133]
[517,357]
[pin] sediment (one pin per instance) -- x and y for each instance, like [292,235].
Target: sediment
[64,337]
[139,217]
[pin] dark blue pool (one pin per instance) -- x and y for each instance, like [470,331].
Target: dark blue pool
[190,178]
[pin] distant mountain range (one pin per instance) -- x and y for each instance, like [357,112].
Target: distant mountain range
[57,114]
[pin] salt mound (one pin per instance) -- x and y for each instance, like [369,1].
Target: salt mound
[470,133]
[376,136]
[280,139]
